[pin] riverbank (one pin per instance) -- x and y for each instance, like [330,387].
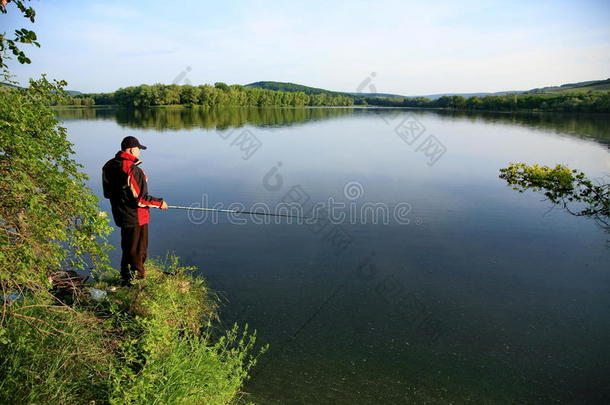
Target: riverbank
[155,342]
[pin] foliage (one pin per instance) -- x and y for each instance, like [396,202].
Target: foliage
[566,102]
[152,343]
[77,100]
[169,352]
[22,36]
[223,95]
[266,94]
[208,96]
[569,188]
[52,353]
[49,219]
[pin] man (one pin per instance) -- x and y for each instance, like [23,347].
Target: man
[125,185]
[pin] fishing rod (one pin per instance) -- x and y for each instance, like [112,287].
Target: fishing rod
[178,207]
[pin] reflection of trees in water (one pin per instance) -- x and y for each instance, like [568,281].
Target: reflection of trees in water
[220,118]
[89,113]
[580,125]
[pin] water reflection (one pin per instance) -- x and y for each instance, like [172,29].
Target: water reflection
[580,125]
[185,118]
[590,126]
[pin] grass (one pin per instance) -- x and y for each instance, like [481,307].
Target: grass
[153,343]
[53,354]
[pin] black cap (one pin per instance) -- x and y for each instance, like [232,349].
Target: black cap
[131,142]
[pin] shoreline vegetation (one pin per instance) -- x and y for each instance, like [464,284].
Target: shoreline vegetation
[68,333]
[223,95]
[155,342]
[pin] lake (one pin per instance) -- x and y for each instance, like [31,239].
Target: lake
[423,277]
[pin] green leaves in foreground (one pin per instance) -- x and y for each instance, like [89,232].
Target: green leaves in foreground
[49,218]
[562,186]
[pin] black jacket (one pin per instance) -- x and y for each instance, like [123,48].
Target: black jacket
[125,185]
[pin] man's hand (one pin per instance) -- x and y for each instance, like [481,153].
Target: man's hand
[164,205]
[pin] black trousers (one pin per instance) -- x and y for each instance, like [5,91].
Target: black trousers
[134,244]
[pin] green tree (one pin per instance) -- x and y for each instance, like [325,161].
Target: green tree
[189,95]
[222,86]
[49,219]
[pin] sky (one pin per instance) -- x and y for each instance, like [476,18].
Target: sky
[385,46]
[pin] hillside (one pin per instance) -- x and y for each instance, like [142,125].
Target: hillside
[289,87]
[269,85]
[581,87]
[499,93]
[293,87]
[592,85]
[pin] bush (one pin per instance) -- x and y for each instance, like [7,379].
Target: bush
[48,217]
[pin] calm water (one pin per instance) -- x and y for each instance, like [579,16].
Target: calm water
[484,296]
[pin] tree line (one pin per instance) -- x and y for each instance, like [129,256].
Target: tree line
[206,95]
[566,102]
[222,94]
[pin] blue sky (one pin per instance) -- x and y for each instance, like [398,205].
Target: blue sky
[412,47]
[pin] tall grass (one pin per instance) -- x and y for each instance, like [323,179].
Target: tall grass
[153,343]
[53,354]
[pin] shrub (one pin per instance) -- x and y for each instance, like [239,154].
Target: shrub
[48,217]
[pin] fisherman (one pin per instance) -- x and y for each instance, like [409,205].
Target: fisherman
[125,185]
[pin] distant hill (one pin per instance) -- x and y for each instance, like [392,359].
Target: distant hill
[583,87]
[592,85]
[314,90]
[385,95]
[293,87]
[290,87]
[499,93]
[580,87]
